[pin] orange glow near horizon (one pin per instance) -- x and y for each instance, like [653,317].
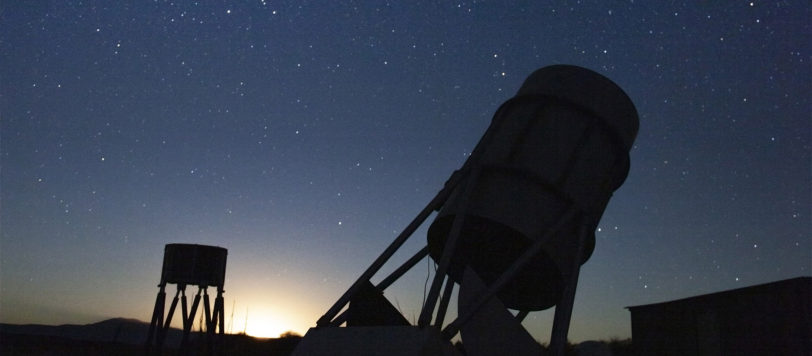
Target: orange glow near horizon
[265,322]
[264,326]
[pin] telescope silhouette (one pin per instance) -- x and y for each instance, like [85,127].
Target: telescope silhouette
[512,227]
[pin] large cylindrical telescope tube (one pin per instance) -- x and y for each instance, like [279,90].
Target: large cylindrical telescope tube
[562,142]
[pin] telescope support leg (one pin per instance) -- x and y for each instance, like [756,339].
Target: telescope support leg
[563,311]
[507,275]
[435,204]
[342,317]
[449,287]
[448,251]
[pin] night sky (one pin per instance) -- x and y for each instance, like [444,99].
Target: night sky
[303,136]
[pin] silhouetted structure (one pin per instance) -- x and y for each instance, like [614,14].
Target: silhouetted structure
[514,224]
[767,319]
[188,264]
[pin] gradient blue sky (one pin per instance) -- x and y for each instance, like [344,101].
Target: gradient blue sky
[303,136]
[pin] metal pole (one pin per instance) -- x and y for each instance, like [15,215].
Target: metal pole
[184,308]
[172,309]
[449,287]
[220,311]
[448,250]
[563,311]
[157,316]
[209,321]
[207,309]
[188,328]
[435,204]
[162,331]
[386,282]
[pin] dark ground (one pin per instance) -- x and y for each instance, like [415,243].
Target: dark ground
[126,337]
[18,344]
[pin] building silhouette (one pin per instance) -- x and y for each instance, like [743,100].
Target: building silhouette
[766,319]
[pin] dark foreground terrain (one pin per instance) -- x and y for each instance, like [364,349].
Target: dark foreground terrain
[125,337]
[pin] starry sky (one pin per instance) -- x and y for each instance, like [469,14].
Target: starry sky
[303,136]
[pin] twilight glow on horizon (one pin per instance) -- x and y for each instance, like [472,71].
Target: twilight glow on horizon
[304,136]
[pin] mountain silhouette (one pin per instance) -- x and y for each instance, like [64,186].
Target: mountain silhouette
[117,330]
[121,336]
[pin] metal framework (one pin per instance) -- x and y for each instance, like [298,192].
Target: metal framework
[467,175]
[563,309]
[589,160]
[202,273]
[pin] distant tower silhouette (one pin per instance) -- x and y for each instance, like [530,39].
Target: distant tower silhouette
[189,264]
